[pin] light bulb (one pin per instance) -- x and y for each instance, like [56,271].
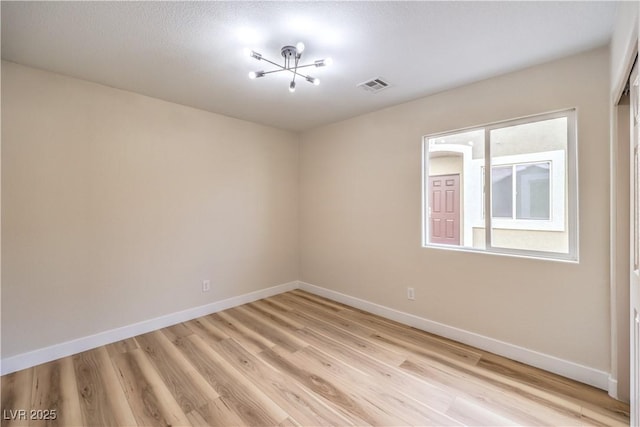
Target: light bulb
[323,62]
[252,75]
[246,51]
[316,82]
[299,47]
[292,86]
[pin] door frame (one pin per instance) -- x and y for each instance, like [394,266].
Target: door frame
[620,226]
[634,246]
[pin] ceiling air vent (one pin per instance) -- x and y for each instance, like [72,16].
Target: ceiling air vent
[374,85]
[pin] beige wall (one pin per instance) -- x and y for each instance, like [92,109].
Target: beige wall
[116,206]
[360,217]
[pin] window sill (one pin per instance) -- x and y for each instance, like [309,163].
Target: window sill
[533,255]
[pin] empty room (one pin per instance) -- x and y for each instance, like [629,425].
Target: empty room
[320,213]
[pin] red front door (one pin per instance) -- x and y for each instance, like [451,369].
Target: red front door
[444,209]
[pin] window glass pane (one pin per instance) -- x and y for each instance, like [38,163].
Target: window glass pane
[453,190]
[536,153]
[502,188]
[532,191]
[529,138]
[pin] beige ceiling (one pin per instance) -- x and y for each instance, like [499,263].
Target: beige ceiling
[192,52]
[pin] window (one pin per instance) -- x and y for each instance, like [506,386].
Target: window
[521,191]
[531,188]
[533,182]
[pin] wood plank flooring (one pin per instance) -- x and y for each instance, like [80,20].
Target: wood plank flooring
[297,359]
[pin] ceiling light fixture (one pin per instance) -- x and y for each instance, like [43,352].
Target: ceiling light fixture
[291,55]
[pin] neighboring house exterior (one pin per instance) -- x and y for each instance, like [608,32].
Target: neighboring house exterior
[529,186]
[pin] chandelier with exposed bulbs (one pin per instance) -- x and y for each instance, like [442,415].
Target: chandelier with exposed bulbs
[291,55]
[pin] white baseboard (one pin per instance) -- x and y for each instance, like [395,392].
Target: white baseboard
[68,348]
[584,374]
[613,387]
[547,362]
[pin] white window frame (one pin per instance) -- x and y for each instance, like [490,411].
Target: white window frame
[566,196]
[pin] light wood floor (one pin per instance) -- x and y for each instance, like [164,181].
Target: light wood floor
[298,359]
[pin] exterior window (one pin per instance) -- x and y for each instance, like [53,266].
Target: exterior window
[532,191]
[521,191]
[532,188]
[502,186]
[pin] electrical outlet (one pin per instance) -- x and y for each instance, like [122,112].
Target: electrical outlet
[411,294]
[206,285]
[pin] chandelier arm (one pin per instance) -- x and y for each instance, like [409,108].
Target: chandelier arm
[308,65]
[274,63]
[297,74]
[295,70]
[285,69]
[275,71]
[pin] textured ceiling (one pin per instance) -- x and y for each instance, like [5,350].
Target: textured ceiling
[191,53]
